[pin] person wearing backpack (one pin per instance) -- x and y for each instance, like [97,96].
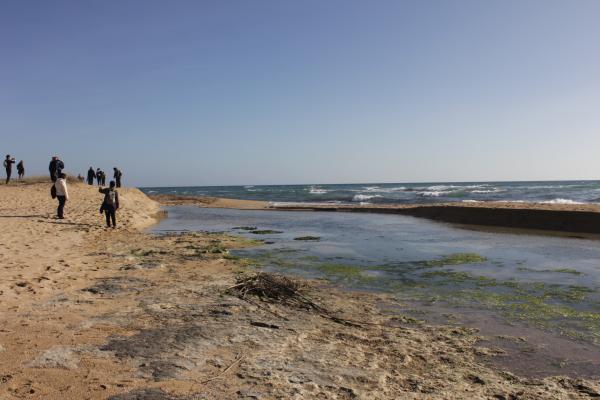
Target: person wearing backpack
[62,194]
[56,166]
[110,205]
[21,169]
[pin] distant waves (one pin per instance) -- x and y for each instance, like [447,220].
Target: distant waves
[559,192]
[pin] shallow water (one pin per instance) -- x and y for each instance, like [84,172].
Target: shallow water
[549,284]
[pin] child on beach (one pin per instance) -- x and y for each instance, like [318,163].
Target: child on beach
[62,194]
[110,205]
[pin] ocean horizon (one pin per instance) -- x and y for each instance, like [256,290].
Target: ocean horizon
[549,192]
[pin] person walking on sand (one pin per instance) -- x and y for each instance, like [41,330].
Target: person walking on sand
[118,175]
[8,162]
[99,176]
[56,166]
[110,205]
[91,175]
[62,194]
[21,169]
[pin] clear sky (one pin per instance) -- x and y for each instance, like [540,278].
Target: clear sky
[337,91]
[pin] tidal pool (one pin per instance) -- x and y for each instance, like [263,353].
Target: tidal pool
[544,282]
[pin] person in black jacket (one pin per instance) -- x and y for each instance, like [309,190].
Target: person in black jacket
[21,169]
[118,175]
[110,205]
[91,175]
[8,165]
[56,166]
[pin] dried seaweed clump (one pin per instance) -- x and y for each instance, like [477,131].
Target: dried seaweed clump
[273,288]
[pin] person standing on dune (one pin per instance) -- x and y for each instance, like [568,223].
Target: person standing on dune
[62,194]
[56,166]
[8,165]
[118,175]
[21,169]
[91,175]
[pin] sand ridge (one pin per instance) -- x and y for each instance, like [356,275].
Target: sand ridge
[88,313]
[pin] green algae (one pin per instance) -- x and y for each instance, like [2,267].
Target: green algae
[342,270]
[308,238]
[557,270]
[265,231]
[456,259]
[245,228]
[562,308]
[566,271]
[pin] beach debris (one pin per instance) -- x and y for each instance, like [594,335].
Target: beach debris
[236,361]
[265,231]
[308,238]
[279,289]
[264,325]
[273,288]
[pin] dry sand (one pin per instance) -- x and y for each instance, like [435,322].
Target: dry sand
[87,313]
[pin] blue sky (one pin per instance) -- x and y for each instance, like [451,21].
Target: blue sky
[269,92]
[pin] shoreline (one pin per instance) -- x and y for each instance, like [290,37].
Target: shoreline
[562,219]
[91,313]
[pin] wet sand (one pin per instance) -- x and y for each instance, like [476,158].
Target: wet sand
[569,219]
[90,313]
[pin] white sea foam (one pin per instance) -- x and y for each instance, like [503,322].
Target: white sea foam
[434,193]
[471,201]
[363,197]
[495,190]
[377,189]
[561,201]
[317,190]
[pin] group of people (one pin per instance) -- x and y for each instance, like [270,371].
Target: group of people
[110,203]
[8,163]
[100,176]
[60,191]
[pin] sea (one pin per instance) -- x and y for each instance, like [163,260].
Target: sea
[558,192]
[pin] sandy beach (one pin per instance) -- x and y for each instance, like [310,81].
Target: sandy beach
[90,313]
